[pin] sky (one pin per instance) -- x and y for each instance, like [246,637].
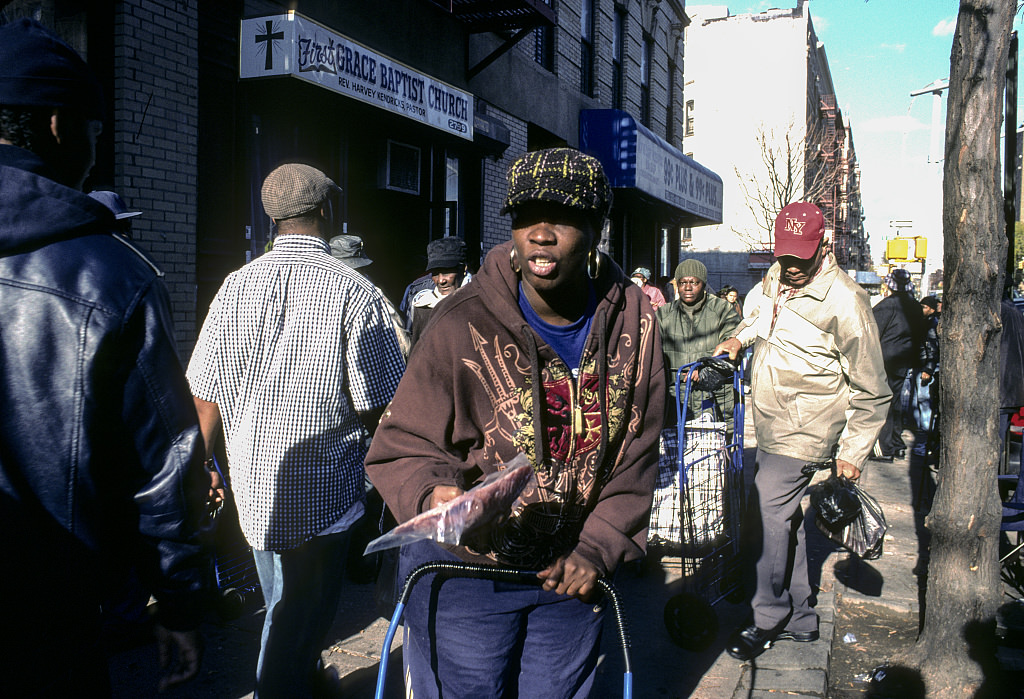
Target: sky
[879,51]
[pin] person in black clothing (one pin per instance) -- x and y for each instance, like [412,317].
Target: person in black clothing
[927,386]
[101,457]
[901,329]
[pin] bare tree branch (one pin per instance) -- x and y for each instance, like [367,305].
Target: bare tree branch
[797,163]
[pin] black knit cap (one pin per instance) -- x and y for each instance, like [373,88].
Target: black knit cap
[560,175]
[37,69]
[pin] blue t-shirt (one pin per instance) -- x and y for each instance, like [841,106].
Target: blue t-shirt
[567,340]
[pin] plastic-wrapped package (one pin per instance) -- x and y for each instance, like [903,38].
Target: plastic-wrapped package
[449,522]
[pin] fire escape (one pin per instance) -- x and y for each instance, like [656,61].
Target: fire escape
[830,172]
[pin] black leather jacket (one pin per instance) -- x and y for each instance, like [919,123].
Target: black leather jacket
[100,450]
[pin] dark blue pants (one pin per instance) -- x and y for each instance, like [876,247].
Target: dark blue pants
[484,639]
[301,588]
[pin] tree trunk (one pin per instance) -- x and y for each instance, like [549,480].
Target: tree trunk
[963,572]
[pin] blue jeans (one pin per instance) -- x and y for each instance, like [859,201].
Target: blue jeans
[485,639]
[301,588]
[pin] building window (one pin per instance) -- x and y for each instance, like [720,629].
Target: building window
[451,195]
[645,80]
[670,115]
[689,118]
[587,47]
[544,44]
[618,50]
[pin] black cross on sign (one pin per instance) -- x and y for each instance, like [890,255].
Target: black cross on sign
[269,37]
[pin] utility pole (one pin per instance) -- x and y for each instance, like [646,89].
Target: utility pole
[935,89]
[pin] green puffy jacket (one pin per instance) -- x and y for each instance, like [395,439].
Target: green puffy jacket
[689,336]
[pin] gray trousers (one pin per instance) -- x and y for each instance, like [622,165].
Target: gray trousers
[783,593]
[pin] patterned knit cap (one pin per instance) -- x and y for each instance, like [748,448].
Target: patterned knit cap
[560,175]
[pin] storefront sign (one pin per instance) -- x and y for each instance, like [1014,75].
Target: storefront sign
[632,156]
[291,44]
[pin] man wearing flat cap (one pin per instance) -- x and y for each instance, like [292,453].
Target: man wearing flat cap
[293,367]
[101,458]
[446,265]
[818,392]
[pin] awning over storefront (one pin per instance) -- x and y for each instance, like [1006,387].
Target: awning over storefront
[634,157]
[291,44]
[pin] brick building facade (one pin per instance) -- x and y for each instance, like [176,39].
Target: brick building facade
[190,135]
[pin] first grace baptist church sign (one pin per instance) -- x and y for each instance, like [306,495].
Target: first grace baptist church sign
[294,45]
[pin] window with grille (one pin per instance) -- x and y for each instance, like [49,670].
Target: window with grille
[689,118]
[587,47]
[645,81]
[544,44]
[618,50]
[670,115]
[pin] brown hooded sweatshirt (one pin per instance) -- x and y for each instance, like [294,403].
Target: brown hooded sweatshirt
[466,405]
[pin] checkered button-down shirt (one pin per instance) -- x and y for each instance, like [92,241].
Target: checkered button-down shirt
[294,347]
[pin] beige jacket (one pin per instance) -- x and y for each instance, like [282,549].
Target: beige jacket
[817,379]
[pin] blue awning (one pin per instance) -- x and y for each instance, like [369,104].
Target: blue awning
[632,156]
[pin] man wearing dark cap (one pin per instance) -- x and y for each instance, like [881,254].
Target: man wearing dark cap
[901,331]
[122,215]
[101,458]
[818,392]
[550,355]
[293,367]
[446,264]
[349,249]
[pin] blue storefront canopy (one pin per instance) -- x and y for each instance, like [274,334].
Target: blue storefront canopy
[634,157]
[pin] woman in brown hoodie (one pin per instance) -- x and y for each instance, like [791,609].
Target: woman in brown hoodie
[549,351]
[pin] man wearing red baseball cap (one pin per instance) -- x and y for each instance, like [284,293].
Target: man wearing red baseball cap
[818,393]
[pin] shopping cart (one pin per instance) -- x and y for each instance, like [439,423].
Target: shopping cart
[699,504]
[470,570]
[234,568]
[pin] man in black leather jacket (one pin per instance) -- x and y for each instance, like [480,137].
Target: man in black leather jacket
[101,458]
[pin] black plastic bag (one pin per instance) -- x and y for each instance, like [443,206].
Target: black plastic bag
[865,535]
[713,373]
[836,503]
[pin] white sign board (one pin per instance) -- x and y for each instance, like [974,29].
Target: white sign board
[663,173]
[291,44]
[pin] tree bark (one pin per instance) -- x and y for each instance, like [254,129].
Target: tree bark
[955,645]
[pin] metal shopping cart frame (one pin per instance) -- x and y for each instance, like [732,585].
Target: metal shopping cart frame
[234,569]
[712,502]
[470,570]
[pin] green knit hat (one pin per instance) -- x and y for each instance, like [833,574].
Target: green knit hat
[692,268]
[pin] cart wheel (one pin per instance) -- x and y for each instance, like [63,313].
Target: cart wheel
[231,604]
[691,622]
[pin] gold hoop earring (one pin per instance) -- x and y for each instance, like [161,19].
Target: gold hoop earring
[594,263]
[513,262]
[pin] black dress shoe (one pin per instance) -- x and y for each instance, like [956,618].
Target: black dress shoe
[798,636]
[886,459]
[749,642]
